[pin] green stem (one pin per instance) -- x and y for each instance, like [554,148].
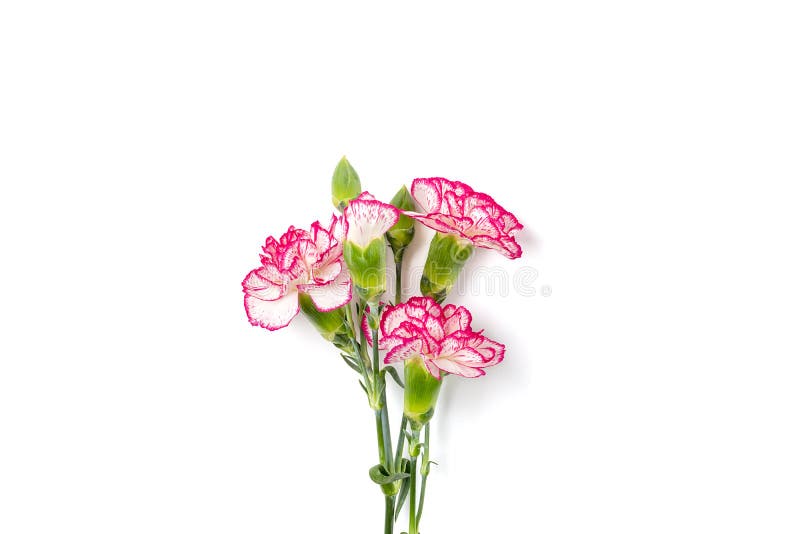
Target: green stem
[362,338]
[398,455]
[383,431]
[358,348]
[425,470]
[398,278]
[380,381]
[381,411]
[381,444]
[387,433]
[388,516]
[348,314]
[375,357]
[412,491]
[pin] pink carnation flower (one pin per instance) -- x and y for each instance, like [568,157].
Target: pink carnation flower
[299,262]
[442,336]
[367,219]
[454,208]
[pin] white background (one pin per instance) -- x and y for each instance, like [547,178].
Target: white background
[650,148]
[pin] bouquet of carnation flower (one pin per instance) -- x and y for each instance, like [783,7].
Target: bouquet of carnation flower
[336,275]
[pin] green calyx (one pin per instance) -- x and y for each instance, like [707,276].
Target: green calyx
[446,257]
[331,325]
[420,394]
[400,235]
[367,268]
[345,184]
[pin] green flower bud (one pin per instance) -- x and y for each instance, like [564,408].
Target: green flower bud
[425,468]
[367,268]
[331,325]
[345,184]
[401,234]
[420,393]
[446,257]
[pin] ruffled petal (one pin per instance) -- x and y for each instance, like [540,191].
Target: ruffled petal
[428,194]
[368,219]
[440,222]
[491,351]
[434,327]
[389,342]
[271,273]
[507,247]
[392,317]
[321,236]
[332,295]
[456,318]
[432,369]
[272,314]
[456,368]
[328,272]
[256,285]
[337,228]
[458,359]
[510,223]
[401,352]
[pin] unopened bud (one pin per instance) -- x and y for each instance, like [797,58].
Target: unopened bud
[345,184]
[401,234]
[446,257]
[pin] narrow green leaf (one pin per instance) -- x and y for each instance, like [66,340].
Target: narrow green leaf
[401,497]
[351,363]
[425,468]
[379,475]
[394,374]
